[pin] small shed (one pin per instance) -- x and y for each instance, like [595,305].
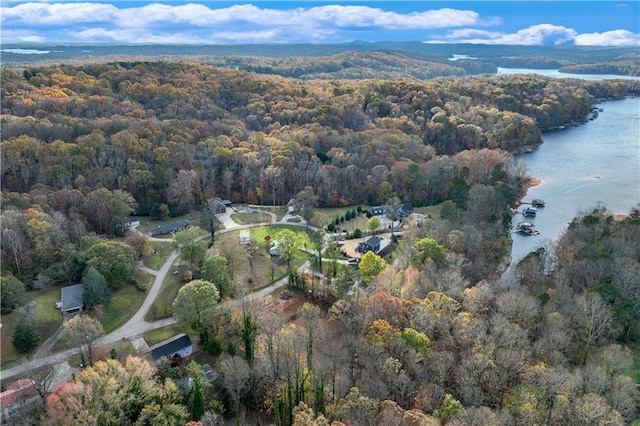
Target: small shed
[71,300]
[179,345]
[372,244]
[245,237]
[294,205]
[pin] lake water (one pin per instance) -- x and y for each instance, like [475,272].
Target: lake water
[582,167]
[557,74]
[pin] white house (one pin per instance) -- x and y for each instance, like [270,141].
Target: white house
[179,345]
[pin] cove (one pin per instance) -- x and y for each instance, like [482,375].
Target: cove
[594,164]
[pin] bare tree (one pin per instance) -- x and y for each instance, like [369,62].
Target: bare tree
[235,377]
[82,332]
[591,323]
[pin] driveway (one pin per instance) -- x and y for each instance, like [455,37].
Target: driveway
[137,325]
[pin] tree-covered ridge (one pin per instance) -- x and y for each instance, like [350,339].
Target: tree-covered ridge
[485,57]
[354,65]
[138,125]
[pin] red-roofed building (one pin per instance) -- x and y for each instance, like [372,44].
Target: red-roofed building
[18,393]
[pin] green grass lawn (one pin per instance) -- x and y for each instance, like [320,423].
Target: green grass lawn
[433,211]
[278,211]
[258,234]
[122,348]
[161,334]
[249,218]
[161,307]
[155,261]
[635,351]
[48,317]
[125,302]
[322,217]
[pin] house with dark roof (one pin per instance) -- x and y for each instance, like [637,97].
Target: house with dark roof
[71,299]
[217,205]
[372,244]
[18,394]
[176,346]
[405,210]
[376,211]
[168,228]
[133,221]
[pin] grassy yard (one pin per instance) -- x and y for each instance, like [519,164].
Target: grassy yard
[125,302]
[258,234]
[433,211]
[160,334]
[249,218]
[161,307]
[122,348]
[278,211]
[635,351]
[155,261]
[322,217]
[48,317]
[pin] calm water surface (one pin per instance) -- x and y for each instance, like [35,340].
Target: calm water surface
[596,163]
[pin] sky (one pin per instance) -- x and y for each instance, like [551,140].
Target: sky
[594,23]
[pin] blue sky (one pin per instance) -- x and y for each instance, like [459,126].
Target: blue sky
[604,23]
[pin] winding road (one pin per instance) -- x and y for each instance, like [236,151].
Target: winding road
[137,325]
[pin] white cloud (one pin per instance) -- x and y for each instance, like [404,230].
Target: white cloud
[543,34]
[244,23]
[64,14]
[334,16]
[363,16]
[134,36]
[22,35]
[609,38]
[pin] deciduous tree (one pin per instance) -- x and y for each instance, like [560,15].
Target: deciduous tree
[81,332]
[195,304]
[371,265]
[190,244]
[113,260]
[10,293]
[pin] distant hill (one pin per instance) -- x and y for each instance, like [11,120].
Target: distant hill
[356,60]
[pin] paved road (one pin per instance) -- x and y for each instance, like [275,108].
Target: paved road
[137,325]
